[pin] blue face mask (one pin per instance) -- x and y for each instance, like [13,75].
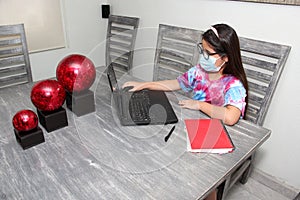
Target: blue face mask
[209,64]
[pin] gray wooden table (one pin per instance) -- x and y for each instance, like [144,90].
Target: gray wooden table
[96,158]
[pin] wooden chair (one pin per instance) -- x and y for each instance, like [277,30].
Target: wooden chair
[263,62]
[120,41]
[14,58]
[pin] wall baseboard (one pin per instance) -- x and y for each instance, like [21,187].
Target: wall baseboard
[275,184]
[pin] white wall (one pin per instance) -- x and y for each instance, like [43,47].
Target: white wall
[279,156]
[85,31]
[85,34]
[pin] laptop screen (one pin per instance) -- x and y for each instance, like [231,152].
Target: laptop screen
[112,79]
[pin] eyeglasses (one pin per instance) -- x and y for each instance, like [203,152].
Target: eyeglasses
[205,53]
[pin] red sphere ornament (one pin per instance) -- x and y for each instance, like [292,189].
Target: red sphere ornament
[25,120]
[76,73]
[48,95]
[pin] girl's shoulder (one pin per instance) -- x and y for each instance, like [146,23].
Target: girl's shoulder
[231,81]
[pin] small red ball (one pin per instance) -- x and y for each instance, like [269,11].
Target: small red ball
[48,95]
[76,73]
[25,120]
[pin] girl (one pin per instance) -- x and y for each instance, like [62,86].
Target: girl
[218,82]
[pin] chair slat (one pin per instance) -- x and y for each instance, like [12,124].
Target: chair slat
[13,77]
[184,58]
[119,52]
[260,89]
[263,48]
[119,59]
[119,67]
[180,47]
[11,52]
[259,76]
[12,69]
[10,61]
[259,63]
[120,44]
[122,30]
[10,42]
[121,37]
[170,64]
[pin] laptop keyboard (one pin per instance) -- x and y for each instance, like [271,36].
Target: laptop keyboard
[139,105]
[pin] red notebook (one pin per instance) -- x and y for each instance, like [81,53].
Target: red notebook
[208,135]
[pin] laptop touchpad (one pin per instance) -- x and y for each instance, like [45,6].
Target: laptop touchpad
[157,114]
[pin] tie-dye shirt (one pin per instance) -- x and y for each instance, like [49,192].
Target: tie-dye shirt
[227,90]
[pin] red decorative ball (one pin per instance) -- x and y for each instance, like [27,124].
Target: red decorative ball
[25,120]
[76,73]
[48,95]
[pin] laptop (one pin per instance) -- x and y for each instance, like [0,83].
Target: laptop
[140,107]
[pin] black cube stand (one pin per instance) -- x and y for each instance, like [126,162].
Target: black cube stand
[81,103]
[53,120]
[30,138]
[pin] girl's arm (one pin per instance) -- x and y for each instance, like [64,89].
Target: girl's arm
[166,85]
[228,114]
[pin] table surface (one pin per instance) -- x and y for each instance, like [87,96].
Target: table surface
[94,157]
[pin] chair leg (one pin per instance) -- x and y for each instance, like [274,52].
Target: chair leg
[220,191]
[297,197]
[245,176]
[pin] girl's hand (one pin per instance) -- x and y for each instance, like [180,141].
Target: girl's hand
[136,86]
[166,85]
[190,104]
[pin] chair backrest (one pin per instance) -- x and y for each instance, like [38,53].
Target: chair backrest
[120,41]
[14,58]
[176,51]
[263,63]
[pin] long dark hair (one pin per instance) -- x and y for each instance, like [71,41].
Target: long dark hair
[226,42]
